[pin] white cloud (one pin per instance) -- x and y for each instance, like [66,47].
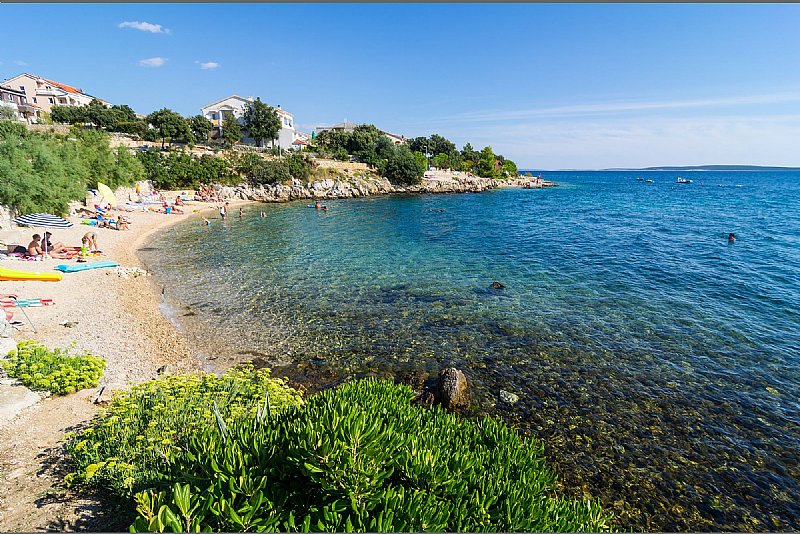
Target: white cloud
[20,63]
[143,26]
[618,107]
[211,65]
[152,62]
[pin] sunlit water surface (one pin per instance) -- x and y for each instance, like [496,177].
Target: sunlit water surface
[658,362]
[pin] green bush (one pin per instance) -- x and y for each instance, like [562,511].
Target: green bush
[43,172]
[54,370]
[146,429]
[361,458]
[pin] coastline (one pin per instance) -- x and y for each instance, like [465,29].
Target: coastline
[116,317]
[119,318]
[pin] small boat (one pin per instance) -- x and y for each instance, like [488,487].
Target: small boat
[639,178]
[683,180]
[649,181]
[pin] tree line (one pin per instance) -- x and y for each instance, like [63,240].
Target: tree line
[407,163]
[261,123]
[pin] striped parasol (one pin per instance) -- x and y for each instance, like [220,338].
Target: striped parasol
[43,220]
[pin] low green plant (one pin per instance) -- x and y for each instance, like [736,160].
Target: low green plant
[146,429]
[361,458]
[57,371]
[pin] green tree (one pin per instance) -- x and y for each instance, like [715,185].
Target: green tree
[362,143]
[231,131]
[469,154]
[384,147]
[262,122]
[168,125]
[440,145]
[422,160]
[7,113]
[509,168]
[403,167]
[441,161]
[418,144]
[487,164]
[200,127]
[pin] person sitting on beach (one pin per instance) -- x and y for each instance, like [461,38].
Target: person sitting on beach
[35,247]
[122,223]
[50,247]
[89,241]
[179,201]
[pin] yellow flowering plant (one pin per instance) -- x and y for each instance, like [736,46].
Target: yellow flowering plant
[56,370]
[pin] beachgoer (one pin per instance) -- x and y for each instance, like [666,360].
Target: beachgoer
[89,241]
[263,214]
[318,205]
[179,201]
[122,223]
[241,213]
[223,212]
[35,246]
[50,247]
[731,237]
[206,222]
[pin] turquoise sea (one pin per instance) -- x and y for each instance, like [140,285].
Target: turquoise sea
[659,364]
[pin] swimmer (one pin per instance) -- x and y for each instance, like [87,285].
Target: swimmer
[205,222]
[731,238]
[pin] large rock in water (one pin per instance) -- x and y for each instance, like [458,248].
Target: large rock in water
[453,389]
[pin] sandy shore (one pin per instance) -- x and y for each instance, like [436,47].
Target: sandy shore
[112,316]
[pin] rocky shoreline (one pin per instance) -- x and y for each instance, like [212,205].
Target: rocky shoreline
[358,186]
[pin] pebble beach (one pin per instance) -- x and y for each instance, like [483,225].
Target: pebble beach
[113,313]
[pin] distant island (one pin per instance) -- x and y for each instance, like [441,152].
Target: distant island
[710,168]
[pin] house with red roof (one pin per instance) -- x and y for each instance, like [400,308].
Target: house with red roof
[42,94]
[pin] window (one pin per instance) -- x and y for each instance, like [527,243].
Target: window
[214,116]
[34,100]
[49,88]
[50,100]
[22,88]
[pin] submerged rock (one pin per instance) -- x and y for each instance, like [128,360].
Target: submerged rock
[453,389]
[508,397]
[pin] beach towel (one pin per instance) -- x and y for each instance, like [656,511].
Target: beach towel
[85,266]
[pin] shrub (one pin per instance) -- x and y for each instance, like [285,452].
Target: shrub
[146,429]
[54,370]
[361,458]
[402,167]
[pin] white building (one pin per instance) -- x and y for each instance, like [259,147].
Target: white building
[235,106]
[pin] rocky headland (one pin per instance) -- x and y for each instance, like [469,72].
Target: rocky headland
[353,186]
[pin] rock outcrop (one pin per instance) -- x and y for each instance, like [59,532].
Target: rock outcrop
[356,186]
[453,389]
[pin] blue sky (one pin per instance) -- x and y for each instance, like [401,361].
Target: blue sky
[549,86]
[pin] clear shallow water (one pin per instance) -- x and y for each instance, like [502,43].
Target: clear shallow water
[658,363]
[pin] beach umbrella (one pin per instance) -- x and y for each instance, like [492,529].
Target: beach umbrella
[106,193]
[43,220]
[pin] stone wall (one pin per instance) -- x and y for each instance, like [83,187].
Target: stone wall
[54,128]
[341,165]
